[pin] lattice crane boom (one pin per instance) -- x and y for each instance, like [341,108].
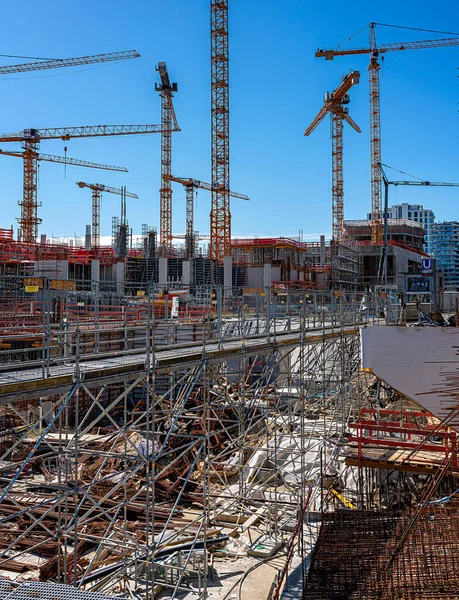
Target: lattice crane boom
[58,63]
[196,183]
[84,131]
[416,45]
[375,99]
[100,187]
[425,183]
[97,189]
[66,160]
[334,104]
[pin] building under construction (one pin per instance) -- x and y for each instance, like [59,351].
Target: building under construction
[251,418]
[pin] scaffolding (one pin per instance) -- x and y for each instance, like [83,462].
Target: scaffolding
[142,441]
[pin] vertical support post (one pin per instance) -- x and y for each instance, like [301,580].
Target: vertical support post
[165,193]
[228,276]
[375,147]
[95,240]
[386,209]
[189,231]
[29,220]
[220,216]
[337,173]
[166,91]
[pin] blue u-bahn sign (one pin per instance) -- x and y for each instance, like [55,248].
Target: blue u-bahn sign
[427,265]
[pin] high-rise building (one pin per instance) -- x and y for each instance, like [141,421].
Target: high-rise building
[445,248]
[414,212]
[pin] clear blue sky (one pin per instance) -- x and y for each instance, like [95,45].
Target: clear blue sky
[277,87]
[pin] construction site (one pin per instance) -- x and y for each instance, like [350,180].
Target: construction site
[227,417]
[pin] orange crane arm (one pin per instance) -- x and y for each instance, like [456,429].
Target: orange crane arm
[419,45]
[67,133]
[69,62]
[351,79]
[100,187]
[202,185]
[347,117]
[67,161]
[323,112]
[335,99]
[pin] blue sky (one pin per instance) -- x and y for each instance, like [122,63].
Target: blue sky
[277,87]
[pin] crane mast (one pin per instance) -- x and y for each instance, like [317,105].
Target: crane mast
[97,189]
[375,99]
[166,91]
[387,183]
[220,215]
[190,185]
[334,104]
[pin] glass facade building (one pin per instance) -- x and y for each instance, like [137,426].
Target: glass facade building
[445,248]
[414,212]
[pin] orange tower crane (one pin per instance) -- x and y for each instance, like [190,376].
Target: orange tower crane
[375,128]
[190,186]
[169,124]
[97,189]
[63,160]
[220,215]
[334,104]
[31,138]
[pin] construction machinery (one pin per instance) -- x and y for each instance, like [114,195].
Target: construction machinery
[334,104]
[375,128]
[97,189]
[190,186]
[60,160]
[220,215]
[169,123]
[387,183]
[30,140]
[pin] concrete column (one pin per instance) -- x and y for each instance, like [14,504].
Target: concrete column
[162,268]
[95,270]
[64,269]
[186,272]
[322,250]
[228,275]
[87,238]
[267,275]
[119,277]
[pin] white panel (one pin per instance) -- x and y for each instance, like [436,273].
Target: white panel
[420,362]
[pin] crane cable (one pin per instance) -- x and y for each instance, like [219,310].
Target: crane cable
[395,27]
[417,29]
[402,172]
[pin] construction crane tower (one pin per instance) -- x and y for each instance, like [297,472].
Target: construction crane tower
[31,138]
[190,186]
[375,100]
[166,91]
[334,103]
[97,189]
[55,159]
[220,215]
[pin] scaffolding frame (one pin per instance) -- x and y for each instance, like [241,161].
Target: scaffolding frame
[138,473]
